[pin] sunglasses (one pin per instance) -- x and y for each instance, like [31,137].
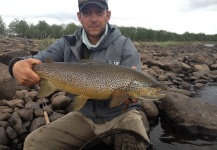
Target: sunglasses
[84,1]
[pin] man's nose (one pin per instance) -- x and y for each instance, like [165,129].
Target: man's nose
[93,16]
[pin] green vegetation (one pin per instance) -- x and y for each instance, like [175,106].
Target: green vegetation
[44,43]
[43,30]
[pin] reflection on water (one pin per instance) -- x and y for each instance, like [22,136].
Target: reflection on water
[167,137]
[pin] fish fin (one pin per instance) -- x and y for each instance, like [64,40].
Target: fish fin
[78,102]
[117,98]
[46,88]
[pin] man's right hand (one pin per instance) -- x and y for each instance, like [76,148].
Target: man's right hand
[22,71]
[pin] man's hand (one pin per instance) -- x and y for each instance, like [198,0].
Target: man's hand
[22,71]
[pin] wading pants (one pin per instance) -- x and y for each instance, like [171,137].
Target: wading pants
[73,130]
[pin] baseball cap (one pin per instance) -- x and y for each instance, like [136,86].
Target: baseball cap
[101,3]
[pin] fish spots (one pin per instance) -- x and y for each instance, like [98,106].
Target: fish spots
[95,79]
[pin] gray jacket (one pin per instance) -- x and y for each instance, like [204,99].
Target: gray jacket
[113,49]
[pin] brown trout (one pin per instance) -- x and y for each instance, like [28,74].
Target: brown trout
[96,81]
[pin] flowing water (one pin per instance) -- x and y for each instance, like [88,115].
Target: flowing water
[165,137]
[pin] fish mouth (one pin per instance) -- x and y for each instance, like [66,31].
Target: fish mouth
[154,94]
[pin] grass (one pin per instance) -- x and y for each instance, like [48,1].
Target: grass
[44,43]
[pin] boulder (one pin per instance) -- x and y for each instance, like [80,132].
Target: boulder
[6,57]
[192,115]
[8,85]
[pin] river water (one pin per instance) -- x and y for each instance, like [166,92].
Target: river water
[165,137]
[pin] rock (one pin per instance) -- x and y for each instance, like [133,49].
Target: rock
[32,105]
[201,68]
[60,101]
[36,123]
[136,44]
[144,67]
[38,112]
[20,129]
[25,114]
[4,124]
[20,94]
[15,119]
[3,137]
[11,133]
[31,96]
[150,109]
[213,67]
[6,57]
[152,72]
[8,85]
[199,85]
[199,74]
[185,85]
[180,91]
[3,107]
[185,66]
[213,72]
[201,58]
[171,64]
[147,56]
[4,116]
[214,77]
[14,103]
[162,78]
[171,75]
[158,70]
[16,145]
[192,115]
[2,147]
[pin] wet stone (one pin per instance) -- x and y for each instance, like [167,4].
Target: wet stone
[3,137]
[36,123]
[25,114]
[11,133]
[60,101]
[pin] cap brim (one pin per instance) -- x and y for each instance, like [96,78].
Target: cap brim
[95,3]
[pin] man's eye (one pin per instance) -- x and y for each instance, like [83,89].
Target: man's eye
[99,12]
[86,12]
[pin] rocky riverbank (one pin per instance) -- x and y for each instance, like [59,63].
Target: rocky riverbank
[181,68]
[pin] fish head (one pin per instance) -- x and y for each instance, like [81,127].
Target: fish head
[147,90]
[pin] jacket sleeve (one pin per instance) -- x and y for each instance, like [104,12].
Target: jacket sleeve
[130,55]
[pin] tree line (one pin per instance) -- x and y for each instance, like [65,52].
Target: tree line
[43,30]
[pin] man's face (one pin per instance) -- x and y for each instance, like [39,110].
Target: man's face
[94,19]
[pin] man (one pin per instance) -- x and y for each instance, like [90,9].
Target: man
[96,40]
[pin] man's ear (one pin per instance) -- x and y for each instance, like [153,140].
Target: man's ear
[79,16]
[108,15]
